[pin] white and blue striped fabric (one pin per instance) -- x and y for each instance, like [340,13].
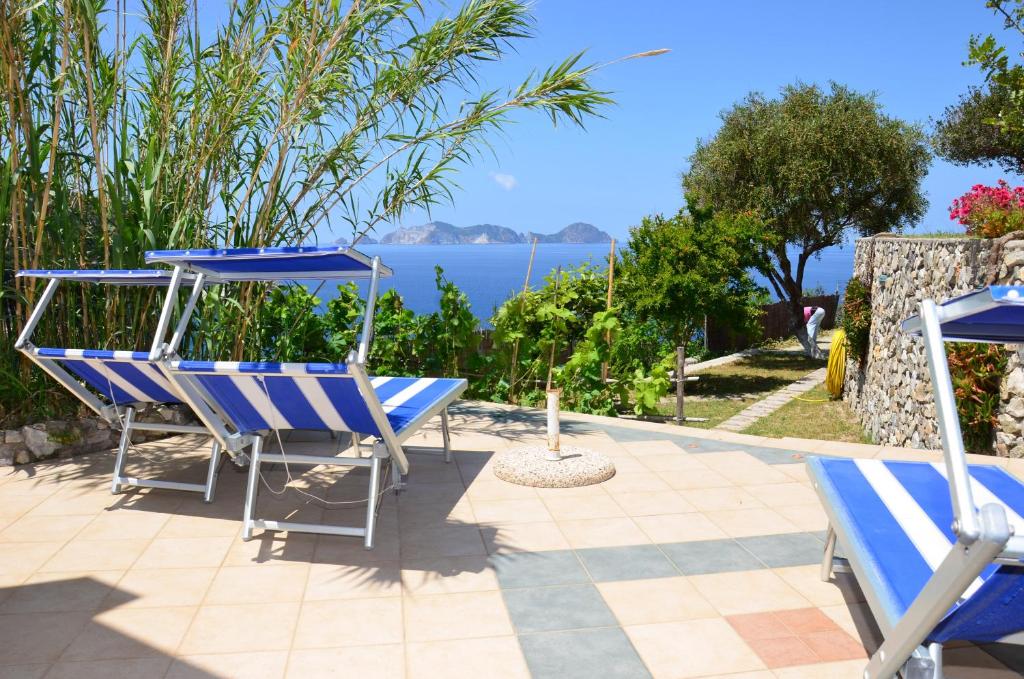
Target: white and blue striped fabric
[897,517]
[122,377]
[319,396]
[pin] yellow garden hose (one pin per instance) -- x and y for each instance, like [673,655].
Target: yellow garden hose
[836,364]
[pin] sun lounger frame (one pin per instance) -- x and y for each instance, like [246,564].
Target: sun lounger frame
[122,417]
[387,447]
[984,535]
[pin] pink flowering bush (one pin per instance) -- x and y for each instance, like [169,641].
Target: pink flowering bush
[990,211]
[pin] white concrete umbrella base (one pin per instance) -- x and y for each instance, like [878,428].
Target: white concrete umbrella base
[527,466]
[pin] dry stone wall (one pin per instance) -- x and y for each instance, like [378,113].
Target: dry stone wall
[891,389]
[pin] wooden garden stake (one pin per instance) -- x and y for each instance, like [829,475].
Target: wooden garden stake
[608,307]
[515,346]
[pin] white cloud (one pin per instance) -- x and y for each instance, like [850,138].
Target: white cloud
[505,181]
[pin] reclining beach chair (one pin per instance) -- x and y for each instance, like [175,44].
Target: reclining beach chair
[115,384]
[246,402]
[936,548]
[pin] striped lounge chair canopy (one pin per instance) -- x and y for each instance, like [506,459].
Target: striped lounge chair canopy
[245,403]
[936,547]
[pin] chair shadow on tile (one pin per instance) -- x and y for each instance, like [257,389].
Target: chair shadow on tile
[60,626]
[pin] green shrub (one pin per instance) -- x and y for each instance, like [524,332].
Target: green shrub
[857,317]
[976,371]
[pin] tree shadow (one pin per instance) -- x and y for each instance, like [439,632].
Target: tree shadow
[68,626]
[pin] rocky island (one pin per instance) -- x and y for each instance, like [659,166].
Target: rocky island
[443,233]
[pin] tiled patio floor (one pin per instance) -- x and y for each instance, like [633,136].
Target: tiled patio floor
[698,559]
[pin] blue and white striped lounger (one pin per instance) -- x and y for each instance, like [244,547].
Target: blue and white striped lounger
[263,397]
[115,384]
[936,548]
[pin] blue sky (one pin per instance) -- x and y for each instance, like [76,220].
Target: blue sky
[629,164]
[910,53]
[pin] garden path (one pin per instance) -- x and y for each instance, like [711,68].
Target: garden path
[776,400]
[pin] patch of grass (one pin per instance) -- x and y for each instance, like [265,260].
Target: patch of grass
[815,417]
[725,390]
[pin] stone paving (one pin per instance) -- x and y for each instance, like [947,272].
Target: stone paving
[776,400]
[699,558]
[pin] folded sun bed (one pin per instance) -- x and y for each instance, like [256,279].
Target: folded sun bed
[936,548]
[243,403]
[115,384]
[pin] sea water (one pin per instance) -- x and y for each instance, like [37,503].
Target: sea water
[489,274]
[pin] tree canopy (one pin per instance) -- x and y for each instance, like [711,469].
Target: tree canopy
[814,165]
[967,133]
[679,269]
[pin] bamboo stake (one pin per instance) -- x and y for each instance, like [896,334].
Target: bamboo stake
[608,307]
[522,301]
[554,328]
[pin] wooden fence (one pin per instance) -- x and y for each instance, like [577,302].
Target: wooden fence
[775,324]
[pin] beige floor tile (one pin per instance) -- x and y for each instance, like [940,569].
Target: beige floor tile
[760,674]
[123,524]
[185,553]
[846,669]
[692,648]
[490,488]
[586,507]
[593,490]
[653,502]
[783,494]
[379,662]
[26,557]
[632,482]
[14,506]
[857,621]
[523,537]
[121,668]
[252,665]
[267,584]
[328,581]
[143,588]
[797,472]
[73,501]
[354,622]
[131,633]
[654,447]
[625,463]
[184,526]
[38,637]
[440,541]
[640,602]
[340,550]
[448,576]
[433,617]
[739,523]
[694,478]
[237,629]
[43,529]
[603,533]
[714,499]
[744,469]
[679,527]
[494,657]
[60,592]
[272,547]
[748,592]
[95,555]
[806,580]
[678,461]
[530,510]
[805,517]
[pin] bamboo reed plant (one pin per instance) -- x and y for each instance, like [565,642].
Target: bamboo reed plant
[290,116]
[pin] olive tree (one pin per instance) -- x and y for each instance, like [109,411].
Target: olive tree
[967,133]
[815,165]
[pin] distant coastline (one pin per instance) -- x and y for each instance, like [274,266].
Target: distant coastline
[443,233]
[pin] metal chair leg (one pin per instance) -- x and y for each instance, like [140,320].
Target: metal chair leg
[211,473]
[830,550]
[251,487]
[445,436]
[122,448]
[371,504]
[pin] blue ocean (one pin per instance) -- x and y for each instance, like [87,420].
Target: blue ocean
[489,274]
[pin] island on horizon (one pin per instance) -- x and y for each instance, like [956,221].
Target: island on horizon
[443,233]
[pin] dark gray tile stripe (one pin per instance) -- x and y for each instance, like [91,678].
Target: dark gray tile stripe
[638,562]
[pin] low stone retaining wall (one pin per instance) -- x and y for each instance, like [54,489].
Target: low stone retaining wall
[68,438]
[891,389]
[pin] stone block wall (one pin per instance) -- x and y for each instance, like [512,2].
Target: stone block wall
[891,389]
[68,438]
